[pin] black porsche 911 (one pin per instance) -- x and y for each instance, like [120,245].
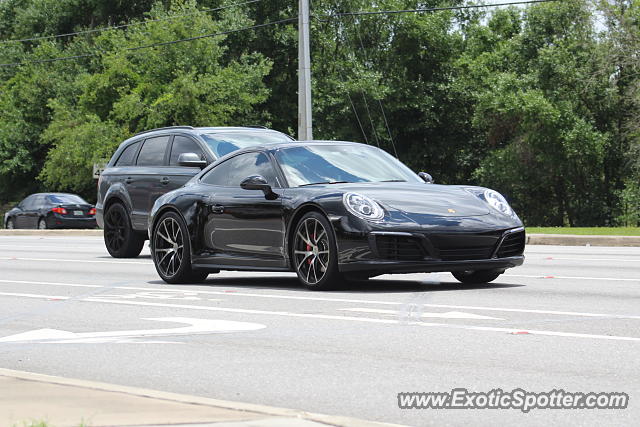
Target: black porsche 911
[330,211]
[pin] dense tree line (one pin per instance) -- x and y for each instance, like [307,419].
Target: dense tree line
[540,103]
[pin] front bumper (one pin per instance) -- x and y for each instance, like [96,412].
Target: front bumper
[377,267]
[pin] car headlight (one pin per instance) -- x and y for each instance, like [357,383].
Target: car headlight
[362,206]
[498,202]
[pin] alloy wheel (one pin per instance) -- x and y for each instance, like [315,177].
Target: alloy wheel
[10,225]
[115,229]
[311,250]
[168,246]
[42,224]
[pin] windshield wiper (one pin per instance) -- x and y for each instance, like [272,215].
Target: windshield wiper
[327,182]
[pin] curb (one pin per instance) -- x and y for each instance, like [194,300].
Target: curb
[44,233]
[576,240]
[339,421]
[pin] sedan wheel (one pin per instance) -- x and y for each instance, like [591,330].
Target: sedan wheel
[42,224]
[121,240]
[172,251]
[10,225]
[315,256]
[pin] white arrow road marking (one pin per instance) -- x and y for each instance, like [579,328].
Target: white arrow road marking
[416,313]
[195,326]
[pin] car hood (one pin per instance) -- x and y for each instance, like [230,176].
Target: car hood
[419,200]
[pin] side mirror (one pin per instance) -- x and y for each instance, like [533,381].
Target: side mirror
[191,160]
[426,177]
[257,182]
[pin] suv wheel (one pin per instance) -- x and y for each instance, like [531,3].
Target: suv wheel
[171,251]
[119,237]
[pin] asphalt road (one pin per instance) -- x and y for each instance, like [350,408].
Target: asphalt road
[261,338]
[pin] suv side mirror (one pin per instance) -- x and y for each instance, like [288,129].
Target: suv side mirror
[191,160]
[257,182]
[426,177]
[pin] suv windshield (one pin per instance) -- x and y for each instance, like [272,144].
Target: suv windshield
[66,198]
[329,163]
[224,143]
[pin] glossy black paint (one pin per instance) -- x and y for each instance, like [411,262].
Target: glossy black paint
[440,228]
[36,207]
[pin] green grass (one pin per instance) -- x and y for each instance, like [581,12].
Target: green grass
[594,231]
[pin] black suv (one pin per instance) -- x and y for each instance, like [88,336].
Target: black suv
[155,162]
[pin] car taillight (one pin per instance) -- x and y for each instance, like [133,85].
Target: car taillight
[92,211]
[59,210]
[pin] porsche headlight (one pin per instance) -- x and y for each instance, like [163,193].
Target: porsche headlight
[362,206]
[498,202]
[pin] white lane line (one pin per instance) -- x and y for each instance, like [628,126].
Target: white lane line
[553,258]
[351,301]
[52,246]
[417,313]
[536,276]
[95,261]
[355,319]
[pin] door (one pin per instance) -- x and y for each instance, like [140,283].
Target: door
[145,186]
[32,210]
[19,219]
[175,176]
[243,224]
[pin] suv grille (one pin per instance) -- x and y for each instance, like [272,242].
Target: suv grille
[512,245]
[399,248]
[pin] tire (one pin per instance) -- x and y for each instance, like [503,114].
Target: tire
[171,251]
[10,225]
[314,254]
[476,277]
[42,224]
[120,238]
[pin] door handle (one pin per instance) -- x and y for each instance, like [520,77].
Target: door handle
[217,209]
[128,180]
[164,180]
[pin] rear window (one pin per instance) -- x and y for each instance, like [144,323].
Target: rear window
[127,156]
[152,152]
[66,198]
[224,143]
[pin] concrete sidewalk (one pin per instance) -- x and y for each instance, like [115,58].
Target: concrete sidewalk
[61,402]
[532,239]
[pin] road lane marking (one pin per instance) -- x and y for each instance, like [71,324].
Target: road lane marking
[74,260]
[195,326]
[351,301]
[541,276]
[350,319]
[417,313]
[553,258]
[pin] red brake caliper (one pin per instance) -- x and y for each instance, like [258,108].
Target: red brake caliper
[308,249]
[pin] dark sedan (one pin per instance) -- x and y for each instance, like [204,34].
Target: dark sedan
[51,210]
[330,211]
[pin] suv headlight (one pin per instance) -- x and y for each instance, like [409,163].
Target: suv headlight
[363,206]
[498,202]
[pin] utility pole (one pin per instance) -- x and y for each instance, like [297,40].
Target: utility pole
[304,73]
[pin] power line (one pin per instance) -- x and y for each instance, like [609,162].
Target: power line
[434,9]
[222,33]
[115,27]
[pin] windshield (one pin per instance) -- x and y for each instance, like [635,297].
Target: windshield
[331,163]
[66,198]
[224,143]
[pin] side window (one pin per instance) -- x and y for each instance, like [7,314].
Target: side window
[28,203]
[232,172]
[152,152]
[38,202]
[183,144]
[127,156]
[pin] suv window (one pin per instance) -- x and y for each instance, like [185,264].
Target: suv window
[182,144]
[233,171]
[127,156]
[152,152]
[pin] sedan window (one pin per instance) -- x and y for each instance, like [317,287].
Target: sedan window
[66,198]
[233,171]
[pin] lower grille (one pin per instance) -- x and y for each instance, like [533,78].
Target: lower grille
[512,245]
[465,254]
[399,248]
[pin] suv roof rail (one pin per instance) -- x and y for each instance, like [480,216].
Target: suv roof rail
[164,128]
[255,126]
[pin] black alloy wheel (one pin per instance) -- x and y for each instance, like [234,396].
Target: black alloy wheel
[119,237]
[172,251]
[477,277]
[315,257]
